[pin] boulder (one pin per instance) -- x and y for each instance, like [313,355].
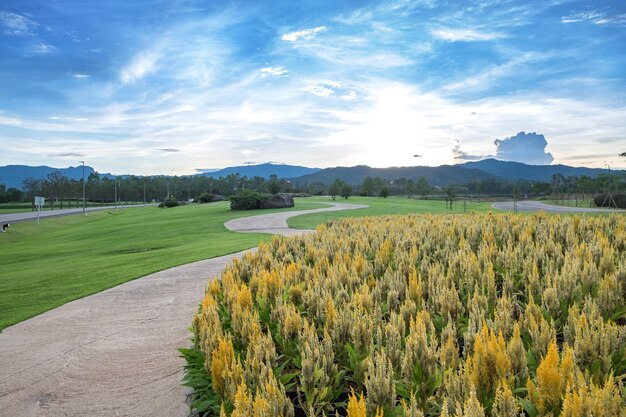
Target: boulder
[216,197]
[278,201]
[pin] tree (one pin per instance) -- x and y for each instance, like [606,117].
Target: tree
[346,191]
[13,195]
[368,186]
[273,186]
[422,187]
[450,195]
[335,188]
[384,192]
[409,188]
[623,154]
[57,186]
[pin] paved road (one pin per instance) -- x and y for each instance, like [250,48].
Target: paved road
[114,353]
[30,215]
[530,205]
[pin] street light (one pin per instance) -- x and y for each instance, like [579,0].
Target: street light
[84,209]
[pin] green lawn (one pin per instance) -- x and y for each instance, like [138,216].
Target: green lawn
[44,266]
[383,206]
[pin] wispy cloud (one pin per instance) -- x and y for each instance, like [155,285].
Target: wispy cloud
[16,25]
[67,154]
[321,89]
[143,63]
[303,34]
[459,155]
[276,71]
[42,48]
[597,17]
[9,121]
[78,75]
[464,35]
[168,150]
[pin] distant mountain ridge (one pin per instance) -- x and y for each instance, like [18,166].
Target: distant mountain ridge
[13,175]
[263,170]
[441,175]
[518,171]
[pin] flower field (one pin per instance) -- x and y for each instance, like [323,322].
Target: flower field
[449,315]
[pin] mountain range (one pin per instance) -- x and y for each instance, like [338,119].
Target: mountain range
[263,170]
[13,175]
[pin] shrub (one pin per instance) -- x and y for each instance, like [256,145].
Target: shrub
[170,202]
[419,315]
[208,198]
[247,200]
[612,200]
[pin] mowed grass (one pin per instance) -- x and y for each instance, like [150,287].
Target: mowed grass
[383,206]
[47,265]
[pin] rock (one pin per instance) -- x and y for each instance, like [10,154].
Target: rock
[215,198]
[278,201]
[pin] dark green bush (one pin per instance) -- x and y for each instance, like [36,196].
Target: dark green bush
[247,200]
[170,202]
[208,198]
[604,200]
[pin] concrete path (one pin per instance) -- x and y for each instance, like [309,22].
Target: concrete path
[276,223]
[32,215]
[530,205]
[114,353]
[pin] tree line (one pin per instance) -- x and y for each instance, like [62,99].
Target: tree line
[56,187]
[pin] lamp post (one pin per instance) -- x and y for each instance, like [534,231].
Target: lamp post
[84,201]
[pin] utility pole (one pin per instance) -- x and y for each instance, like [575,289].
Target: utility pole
[84,201]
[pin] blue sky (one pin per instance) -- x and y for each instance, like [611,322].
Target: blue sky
[151,87]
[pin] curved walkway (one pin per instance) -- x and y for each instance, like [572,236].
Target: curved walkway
[530,205]
[114,353]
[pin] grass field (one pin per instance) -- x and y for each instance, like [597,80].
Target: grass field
[382,206]
[62,259]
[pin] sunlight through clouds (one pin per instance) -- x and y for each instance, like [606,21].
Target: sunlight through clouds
[321,84]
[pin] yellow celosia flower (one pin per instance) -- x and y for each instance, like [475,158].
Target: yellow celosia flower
[356,406]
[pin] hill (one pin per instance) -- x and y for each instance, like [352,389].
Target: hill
[13,175]
[520,171]
[263,170]
[440,176]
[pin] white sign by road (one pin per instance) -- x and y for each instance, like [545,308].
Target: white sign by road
[39,202]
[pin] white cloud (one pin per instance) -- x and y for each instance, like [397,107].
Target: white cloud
[141,64]
[322,88]
[596,17]
[16,25]
[529,148]
[464,35]
[303,34]
[10,121]
[276,71]
[42,48]
[78,75]
[350,96]
[459,155]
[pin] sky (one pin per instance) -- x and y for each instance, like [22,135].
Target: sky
[175,86]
